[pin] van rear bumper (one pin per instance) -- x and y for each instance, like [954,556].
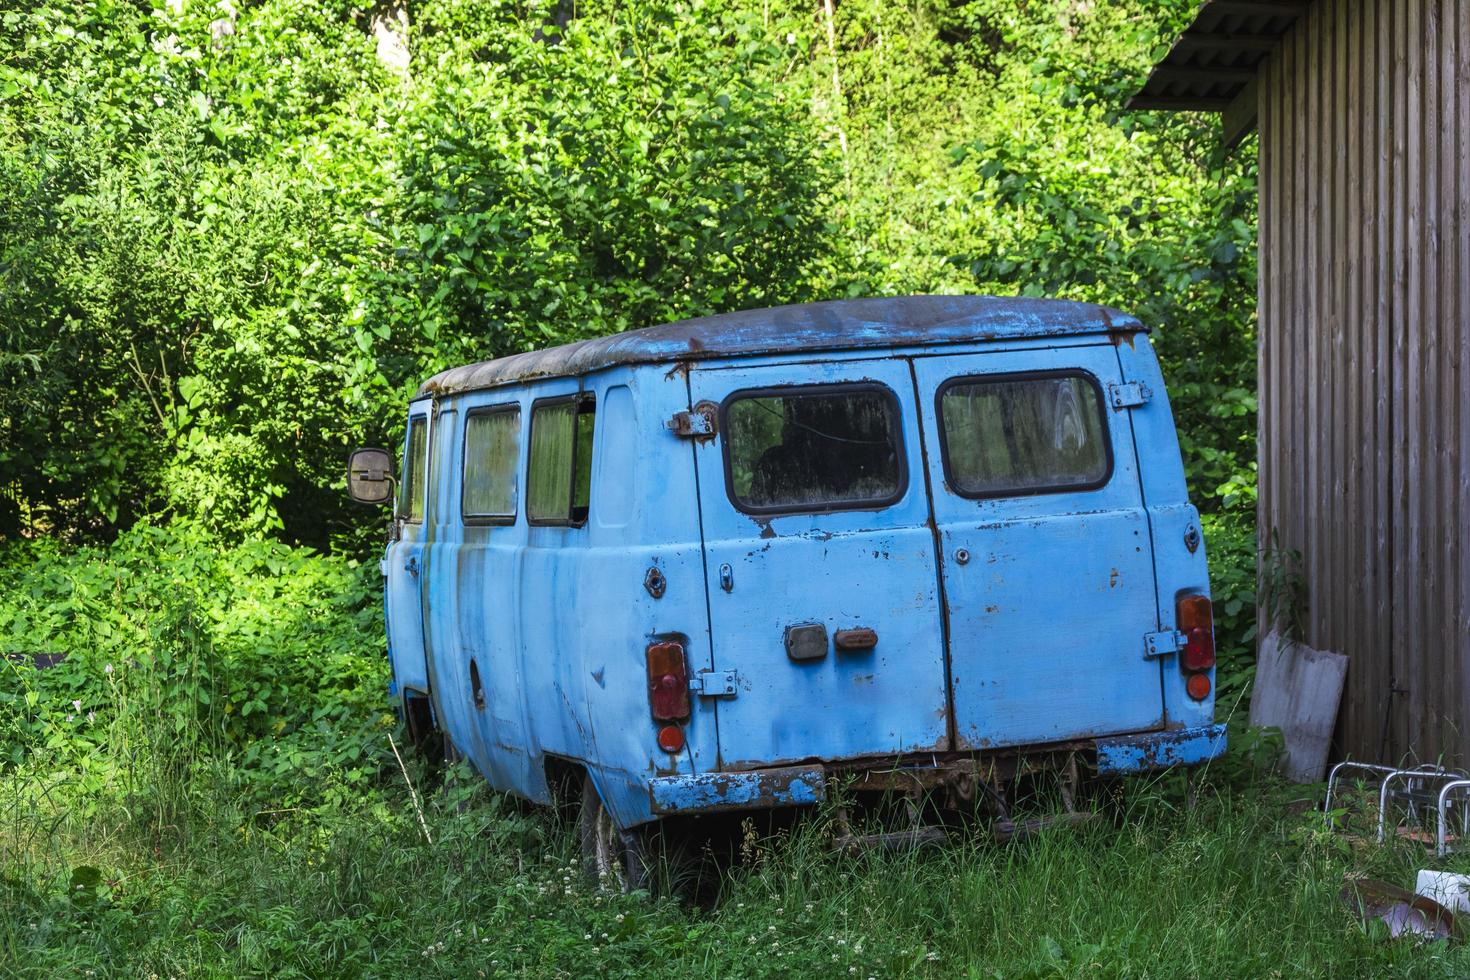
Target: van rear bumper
[759,789]
[1159,750]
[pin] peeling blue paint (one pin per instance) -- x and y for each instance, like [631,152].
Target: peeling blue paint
[1159,750]
[711,792]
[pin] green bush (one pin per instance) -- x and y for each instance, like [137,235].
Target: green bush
[182,656]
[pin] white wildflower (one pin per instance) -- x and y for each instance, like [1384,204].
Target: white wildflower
[107,669]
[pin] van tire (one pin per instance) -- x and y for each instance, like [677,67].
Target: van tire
[612,859]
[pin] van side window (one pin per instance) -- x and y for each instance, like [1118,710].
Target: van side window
[411,495]
[813,449]
[1013,435]
[492,459]
[559,481]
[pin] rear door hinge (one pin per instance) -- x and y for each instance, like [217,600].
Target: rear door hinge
[1159,645]
[697,423]
[715,684]
[1130,394]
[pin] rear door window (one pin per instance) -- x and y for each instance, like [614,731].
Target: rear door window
[1013,435]
[492,458]
[559,482]
[416,453]
[813,449]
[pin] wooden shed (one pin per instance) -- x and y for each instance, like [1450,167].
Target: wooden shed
[1363,113]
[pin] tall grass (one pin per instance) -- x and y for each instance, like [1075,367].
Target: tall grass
[204,789]
[1231,885]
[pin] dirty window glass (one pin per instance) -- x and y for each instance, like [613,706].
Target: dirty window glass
[813,449]
[1019,435]
[559,485]
[411,498]
[492,456]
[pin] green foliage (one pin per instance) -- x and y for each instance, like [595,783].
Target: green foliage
[231,239]
[620,171]
[262,659]
[1230,543]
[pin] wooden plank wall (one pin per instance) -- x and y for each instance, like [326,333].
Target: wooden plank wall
[1364,115]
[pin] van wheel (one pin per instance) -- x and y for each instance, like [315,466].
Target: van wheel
[612,859]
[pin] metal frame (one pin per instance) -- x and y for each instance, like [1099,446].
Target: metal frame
[1418,774]
[1441,846]
[1332,781]
[1455,782]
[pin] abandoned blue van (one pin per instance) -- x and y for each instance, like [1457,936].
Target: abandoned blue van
[922,544]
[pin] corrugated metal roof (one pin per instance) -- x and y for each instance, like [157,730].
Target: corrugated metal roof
[1216,57]
[836,325]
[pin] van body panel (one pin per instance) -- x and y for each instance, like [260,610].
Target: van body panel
[1178,545]
[555,619]
[840,570]
[1050,593]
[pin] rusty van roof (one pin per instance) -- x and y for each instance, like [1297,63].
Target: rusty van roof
[852,324]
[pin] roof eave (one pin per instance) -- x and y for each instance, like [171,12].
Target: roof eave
[1214,65]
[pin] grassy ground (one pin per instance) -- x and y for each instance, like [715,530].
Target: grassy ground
[1238,884]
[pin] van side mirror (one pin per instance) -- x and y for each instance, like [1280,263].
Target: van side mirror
[370,476]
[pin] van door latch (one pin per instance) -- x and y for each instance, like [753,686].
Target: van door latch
[1129,395]
[1159,645]
[715,684]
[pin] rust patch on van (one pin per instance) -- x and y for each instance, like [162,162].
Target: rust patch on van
[1113,579]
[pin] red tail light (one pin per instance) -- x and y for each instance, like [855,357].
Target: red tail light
[668,681]
[1196,622]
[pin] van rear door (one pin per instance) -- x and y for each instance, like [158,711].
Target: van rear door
[1047,559]
[819,562]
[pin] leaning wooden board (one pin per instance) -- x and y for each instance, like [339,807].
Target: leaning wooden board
[1298,690]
